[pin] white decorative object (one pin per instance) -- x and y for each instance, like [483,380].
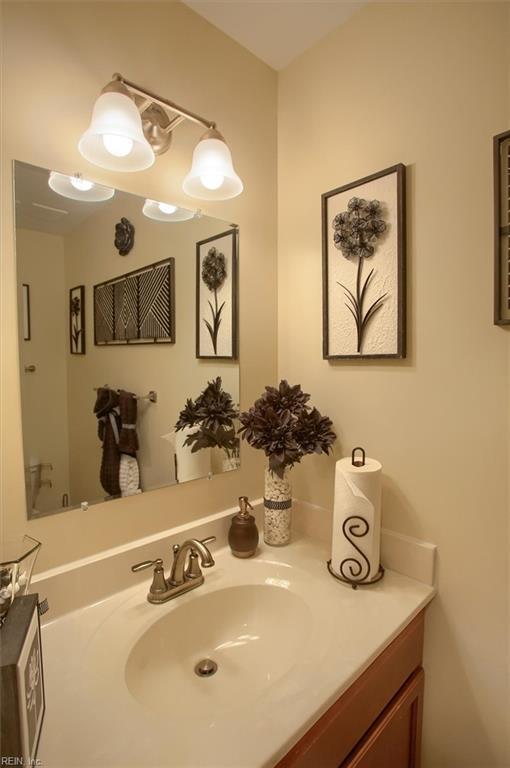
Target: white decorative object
[357,520]
[277,508]
[190,465]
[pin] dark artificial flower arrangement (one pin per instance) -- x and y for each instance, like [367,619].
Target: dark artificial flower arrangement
[213,414]
[214,273]
[285,427]
[356,232]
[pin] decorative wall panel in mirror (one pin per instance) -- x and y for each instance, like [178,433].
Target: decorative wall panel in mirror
[115,401]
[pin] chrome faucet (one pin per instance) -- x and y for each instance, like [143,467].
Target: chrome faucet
[185,573]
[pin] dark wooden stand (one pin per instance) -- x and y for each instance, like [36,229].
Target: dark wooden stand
[376,723]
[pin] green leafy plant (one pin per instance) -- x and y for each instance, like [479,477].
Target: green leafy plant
[214,273]
[213,413]
[356,232]
[283,425]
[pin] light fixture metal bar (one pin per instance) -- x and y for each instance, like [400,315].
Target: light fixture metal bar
[165,103]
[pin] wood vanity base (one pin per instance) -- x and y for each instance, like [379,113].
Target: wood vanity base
[376,723]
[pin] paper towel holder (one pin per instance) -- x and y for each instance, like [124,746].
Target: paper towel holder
[358,462]
[352,582]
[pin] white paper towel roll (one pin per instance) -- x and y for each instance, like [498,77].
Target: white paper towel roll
[357,520]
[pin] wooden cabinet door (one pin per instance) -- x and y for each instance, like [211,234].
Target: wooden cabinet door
[394,739]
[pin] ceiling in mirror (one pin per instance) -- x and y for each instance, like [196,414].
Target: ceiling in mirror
[128,343]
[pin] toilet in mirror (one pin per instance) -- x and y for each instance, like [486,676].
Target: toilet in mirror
[128,341]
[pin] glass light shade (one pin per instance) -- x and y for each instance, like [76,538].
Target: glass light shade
[115,139]
[212,175]
[69,186]
[166,212]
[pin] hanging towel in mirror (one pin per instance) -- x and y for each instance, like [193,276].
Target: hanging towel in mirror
[128,439]
[106,410]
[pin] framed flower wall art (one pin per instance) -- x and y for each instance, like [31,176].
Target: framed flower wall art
[363,253]
[216,300]
[27,334]
[77,320]
[502,229]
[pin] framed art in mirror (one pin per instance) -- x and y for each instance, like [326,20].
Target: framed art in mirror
[138,307]
[216,296]
[77,320]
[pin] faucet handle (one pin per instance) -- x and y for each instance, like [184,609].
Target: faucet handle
[208,540]
[146,564]
[159,584]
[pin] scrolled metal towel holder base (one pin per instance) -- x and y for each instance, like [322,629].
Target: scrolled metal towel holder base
[355,584]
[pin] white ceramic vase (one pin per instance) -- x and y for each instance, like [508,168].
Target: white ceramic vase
[277,509]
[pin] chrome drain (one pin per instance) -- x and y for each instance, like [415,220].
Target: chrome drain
[206,668]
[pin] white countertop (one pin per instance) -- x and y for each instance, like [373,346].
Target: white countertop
[92,719]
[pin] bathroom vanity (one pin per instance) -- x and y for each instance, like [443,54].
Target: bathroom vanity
[376,723]
[309,671]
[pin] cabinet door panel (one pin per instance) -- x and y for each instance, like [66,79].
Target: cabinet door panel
[394,739]
[338,732]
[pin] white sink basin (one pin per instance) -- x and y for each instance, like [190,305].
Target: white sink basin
[288,640]
[256,634]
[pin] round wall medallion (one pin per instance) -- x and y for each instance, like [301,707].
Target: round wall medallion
[124,236]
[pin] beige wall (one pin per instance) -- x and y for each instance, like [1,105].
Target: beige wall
[56,58]
[426,85]
[44,392]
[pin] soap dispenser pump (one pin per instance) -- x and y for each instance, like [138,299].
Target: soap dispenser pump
[243,535]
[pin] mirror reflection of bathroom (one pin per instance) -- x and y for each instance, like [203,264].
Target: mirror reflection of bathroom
[120,394]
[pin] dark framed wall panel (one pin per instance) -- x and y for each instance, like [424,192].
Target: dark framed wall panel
[137,307]
[77,320]
[502,229]
[217,296]
[364,267]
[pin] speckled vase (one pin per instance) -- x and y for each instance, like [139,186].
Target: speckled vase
[229,463]
[277,509]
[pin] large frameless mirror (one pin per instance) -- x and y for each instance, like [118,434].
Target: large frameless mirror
[128,341]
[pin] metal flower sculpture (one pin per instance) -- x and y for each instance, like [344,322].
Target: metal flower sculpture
[214,272]
[76,331]
[356,232]
[124,236]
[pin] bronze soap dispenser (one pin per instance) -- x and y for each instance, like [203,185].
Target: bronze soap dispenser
[243,535]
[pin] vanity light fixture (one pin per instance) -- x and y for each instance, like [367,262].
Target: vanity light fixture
[166,211]
[131,125]
[78,188]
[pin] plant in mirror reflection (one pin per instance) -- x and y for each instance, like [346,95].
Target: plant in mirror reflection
[356,232]
[213,413]
[214,273]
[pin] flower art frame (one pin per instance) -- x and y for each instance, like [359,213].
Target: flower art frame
[502,229]
[77,320]
[25,297]
[216,296]
[363,268]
